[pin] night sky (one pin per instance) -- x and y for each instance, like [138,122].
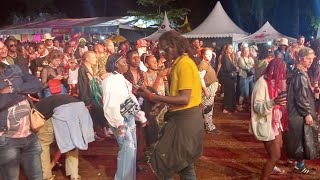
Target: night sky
[290,17]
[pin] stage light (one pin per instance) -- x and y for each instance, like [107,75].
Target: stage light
[269,43]
[245,45]
[102,37]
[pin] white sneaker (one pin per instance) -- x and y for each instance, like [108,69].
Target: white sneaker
[110,131]
[106,133]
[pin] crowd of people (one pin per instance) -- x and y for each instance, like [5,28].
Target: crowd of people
[152,96]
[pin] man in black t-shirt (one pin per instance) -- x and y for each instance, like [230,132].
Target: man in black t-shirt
[56,109]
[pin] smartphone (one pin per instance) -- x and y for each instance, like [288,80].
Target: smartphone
[282,94]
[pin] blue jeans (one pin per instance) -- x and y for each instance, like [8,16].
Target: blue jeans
[246,86]
[20,151]
[47,93]
[187,173]
[126,166]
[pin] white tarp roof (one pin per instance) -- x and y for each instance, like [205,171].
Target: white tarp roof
[217,24]
[165,26]
[264,34]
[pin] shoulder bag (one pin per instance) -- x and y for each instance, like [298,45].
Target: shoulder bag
[251,71]
[129,108]
[37,120]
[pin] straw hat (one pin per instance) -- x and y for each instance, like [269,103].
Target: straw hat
[47,36]
[284,41]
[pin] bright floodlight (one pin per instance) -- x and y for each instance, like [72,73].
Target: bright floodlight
[245,45]
[102,37]
[269,43]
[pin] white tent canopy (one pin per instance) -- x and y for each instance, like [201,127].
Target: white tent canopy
[165,26]
[264,34]
[217,24]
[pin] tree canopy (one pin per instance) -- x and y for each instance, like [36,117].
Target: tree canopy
[147,13]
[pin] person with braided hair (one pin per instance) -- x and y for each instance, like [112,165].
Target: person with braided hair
[266,112]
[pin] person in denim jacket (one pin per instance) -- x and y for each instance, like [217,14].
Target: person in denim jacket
[18,144]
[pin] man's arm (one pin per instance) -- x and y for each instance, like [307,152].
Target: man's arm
[30,85]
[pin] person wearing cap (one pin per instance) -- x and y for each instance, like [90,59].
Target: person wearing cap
[116,92]
[283,49]
[48,40]
[82,46]
[301,138]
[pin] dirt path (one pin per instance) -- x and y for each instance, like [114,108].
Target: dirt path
[231,154]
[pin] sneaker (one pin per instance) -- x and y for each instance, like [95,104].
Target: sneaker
[73,178]
[277,170]
[110,131]
[226,112]
[305,170]
[106,133]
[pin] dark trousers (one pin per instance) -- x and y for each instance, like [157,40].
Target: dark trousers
[229,100]
[187,173]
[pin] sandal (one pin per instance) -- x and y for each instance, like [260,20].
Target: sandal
[305,170]
[226,111]
[277,170]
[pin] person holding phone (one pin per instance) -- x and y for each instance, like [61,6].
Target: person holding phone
[53,73]
[267,98]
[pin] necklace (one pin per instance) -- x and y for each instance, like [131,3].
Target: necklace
[14,56]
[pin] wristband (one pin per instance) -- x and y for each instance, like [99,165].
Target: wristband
[150,96]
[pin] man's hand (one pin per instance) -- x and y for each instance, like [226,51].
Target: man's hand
[309,119]
[144,92]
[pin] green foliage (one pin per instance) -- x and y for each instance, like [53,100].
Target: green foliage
[155,3]
[175,15]
[315,22]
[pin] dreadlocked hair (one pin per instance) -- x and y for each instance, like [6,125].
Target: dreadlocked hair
[275,75]
[276,70]
[178,42]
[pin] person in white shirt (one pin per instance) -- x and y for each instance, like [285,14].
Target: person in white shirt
[116,92]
